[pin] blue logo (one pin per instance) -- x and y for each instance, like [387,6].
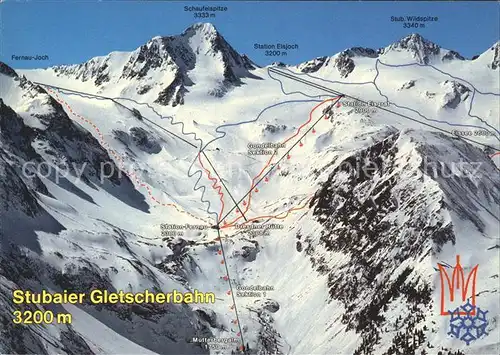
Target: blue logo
[468,323]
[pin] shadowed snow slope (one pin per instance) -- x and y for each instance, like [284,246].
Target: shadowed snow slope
[353,224]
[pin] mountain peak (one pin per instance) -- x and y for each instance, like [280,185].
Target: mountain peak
[165,66]
[494,53]
[421,49]
[417,45]
[202,27]
[414,38]
[6,70]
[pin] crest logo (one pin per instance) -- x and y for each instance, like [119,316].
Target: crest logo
[458,288]
[468,328]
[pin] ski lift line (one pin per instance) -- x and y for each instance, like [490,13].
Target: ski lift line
[114,99]
[304,81]
[223,134]
[294,92]
[274,154]
[120,160]
[236,204]
[230,285]
[227,271]
[317,86]
[72,90]
[276,216]
[495,133]
[161,117]
[283,157]
[155,124]
[86,95]
[119,104]
[373,82]
[171,118]
[200,175]
[439,70]
[100,97]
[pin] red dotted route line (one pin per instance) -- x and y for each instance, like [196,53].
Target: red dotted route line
[266,179]
[121,161]
[232,307]
[217,188]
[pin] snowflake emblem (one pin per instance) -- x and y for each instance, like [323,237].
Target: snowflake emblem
[468,327]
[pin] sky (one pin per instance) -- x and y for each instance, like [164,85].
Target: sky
[71,32]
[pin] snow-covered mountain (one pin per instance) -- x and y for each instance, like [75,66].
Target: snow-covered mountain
[354,220]
[412,48]
[165,68]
